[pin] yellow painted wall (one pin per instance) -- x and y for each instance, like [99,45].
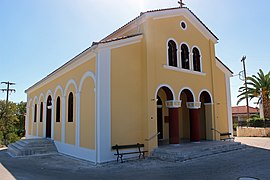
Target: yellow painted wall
[127,95]
[76,74]
[88,108]
[221,115]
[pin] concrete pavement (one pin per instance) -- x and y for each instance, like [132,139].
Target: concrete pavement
[248,162]
[260,142]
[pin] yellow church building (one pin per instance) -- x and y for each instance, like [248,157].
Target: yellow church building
[154,81]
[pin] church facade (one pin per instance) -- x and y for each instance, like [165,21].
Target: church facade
[154,81]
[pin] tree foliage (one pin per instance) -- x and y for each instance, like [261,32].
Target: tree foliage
[257,87]
[11,121]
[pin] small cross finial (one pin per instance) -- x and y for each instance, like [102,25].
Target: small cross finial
[181,3]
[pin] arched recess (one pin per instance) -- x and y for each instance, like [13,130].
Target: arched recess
[185,95]
[87,111]
[163,93]
[49,107]
[35,116]
[172,52]
[58,113]
[185,56]
[205,115]
[196,59]
[70,127]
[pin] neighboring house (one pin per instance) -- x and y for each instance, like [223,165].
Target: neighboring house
[157,73]
[239,113]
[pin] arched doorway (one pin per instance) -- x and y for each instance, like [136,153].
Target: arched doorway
[165,120]
[184,115]
[205,116]
[49,117]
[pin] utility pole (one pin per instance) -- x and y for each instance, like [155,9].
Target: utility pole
[8,90]
[245,77]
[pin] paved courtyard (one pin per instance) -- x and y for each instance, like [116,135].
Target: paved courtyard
[248,162]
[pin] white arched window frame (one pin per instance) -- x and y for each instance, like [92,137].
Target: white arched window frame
[180,55]
[192,68]
[177,51]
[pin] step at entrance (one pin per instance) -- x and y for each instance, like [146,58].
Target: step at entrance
[188,151]
[27,147]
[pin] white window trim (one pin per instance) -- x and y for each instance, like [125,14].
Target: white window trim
[201,69]
[184,70]
[185,24]
[180,56]
[177,52]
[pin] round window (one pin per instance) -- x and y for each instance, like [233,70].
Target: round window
[183,25]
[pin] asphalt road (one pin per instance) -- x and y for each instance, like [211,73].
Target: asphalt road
[249,162]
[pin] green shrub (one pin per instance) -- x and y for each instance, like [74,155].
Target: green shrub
[12,137]
[258,122]
[1,138]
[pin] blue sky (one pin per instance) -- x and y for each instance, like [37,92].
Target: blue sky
[38,36]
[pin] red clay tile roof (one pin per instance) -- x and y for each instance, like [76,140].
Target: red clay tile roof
[243,110]
[116,39]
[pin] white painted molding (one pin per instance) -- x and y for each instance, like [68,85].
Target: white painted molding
[58,88]
[206,90]
[45,119]
[193,105]
[167,86]
[184,70]
[49,93]
[185,25]
[86,75]
[103,96]
[229,105]
[188,88]
[177,51]
[121,42]
[180,55]
[201,64]
[223,68]
[69,83]
[173,104]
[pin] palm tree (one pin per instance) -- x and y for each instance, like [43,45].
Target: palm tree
[257,87]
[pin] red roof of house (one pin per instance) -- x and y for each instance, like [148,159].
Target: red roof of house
[243,110]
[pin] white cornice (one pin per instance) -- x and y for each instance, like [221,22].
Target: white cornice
[223,68]
[120,43]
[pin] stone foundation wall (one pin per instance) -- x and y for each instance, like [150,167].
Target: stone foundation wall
[253,132]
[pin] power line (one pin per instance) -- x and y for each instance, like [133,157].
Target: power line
[8,90]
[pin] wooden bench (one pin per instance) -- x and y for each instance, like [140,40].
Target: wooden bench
[137,150]
[224,136]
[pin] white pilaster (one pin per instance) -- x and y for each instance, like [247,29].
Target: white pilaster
[229,104]
[103,93]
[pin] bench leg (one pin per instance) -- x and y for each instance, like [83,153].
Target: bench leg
[121,157]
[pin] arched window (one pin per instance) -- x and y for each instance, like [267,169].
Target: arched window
[70,107]
[196,60]
[35,113]
[184,57]
[172,53]
[58,109]
[41,112]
